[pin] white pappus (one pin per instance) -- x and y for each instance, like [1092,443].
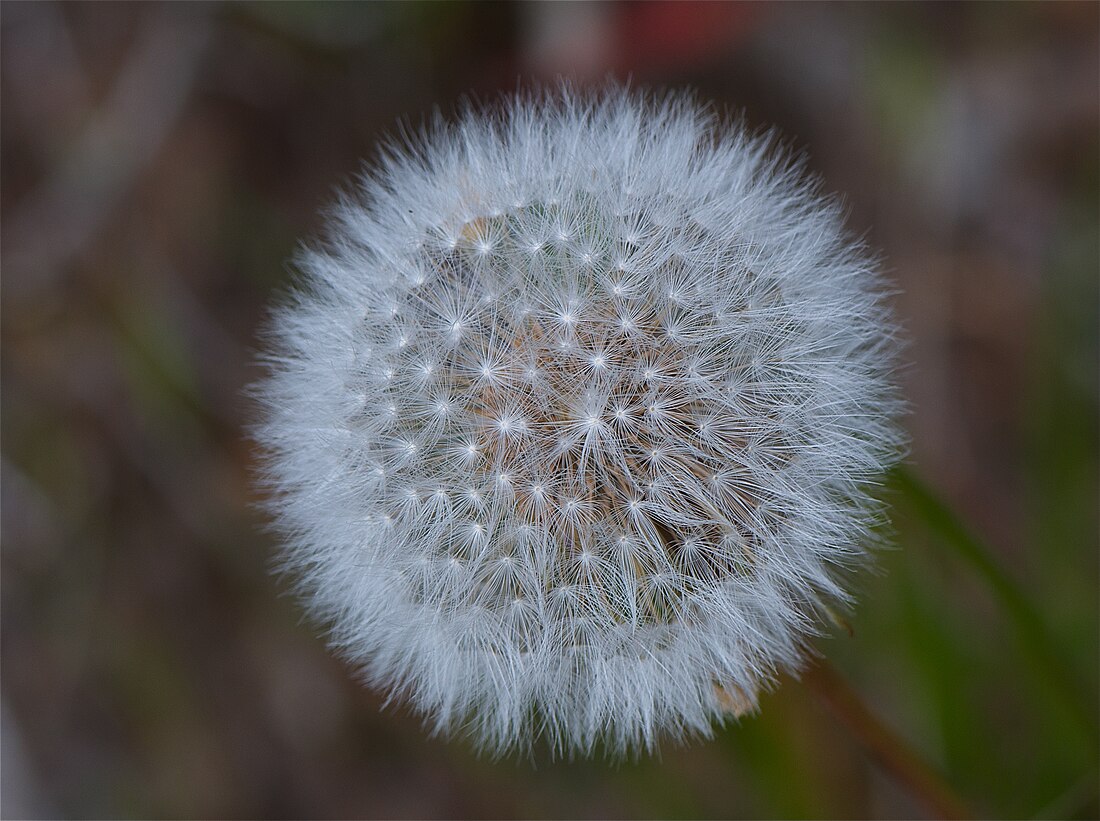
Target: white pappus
[571,420]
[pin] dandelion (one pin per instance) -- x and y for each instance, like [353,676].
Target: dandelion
[571,422]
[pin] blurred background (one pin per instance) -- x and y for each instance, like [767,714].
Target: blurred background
[160,164]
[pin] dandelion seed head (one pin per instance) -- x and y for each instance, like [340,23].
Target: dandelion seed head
[594,471]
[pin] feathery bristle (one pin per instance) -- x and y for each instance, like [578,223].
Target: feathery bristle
[571,422]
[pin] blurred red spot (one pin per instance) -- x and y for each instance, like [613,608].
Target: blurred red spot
[671,33]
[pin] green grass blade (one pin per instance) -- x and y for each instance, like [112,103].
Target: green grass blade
[1034,635]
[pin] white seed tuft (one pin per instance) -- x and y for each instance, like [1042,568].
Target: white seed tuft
[571,422]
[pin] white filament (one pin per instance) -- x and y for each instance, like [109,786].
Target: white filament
[570,423]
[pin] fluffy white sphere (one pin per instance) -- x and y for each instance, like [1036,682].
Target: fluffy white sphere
[570,423]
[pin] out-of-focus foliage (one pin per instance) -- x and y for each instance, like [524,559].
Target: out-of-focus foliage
[160,162]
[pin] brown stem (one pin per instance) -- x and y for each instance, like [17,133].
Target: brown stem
[884,745]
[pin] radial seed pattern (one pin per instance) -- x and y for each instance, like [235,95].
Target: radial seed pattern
[571,426]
